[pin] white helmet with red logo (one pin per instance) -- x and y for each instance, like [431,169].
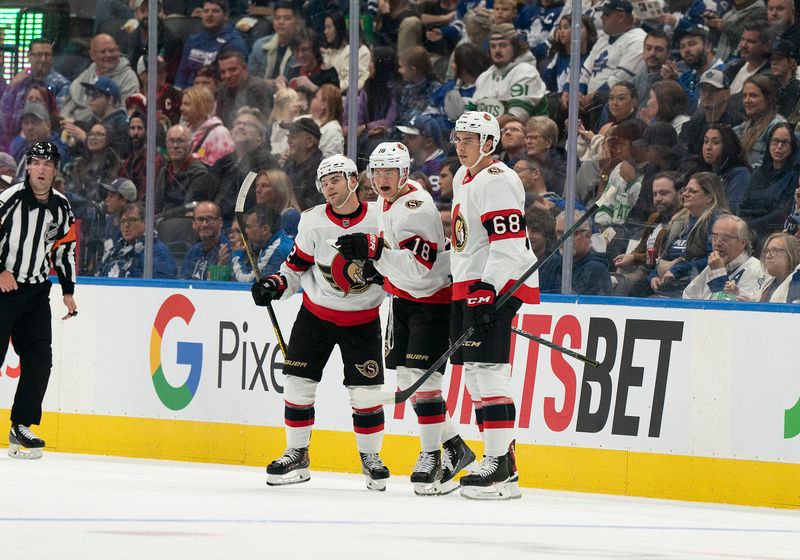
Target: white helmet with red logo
[481,123]
[390,155]
[337,163]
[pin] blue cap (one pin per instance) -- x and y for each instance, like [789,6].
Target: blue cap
[617,6]
[104,85]
[423,125]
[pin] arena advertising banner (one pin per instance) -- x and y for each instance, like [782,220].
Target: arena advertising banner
[671,380]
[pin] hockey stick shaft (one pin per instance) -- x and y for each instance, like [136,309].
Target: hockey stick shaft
[555,346]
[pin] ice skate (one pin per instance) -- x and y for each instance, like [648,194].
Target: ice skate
[513,480]
[289,468]
[492,481]
[23,443]
[457,457]
[376,472]
[427,475]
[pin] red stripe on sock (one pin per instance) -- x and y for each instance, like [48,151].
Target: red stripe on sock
[368,430]
[438,419]
[368,410]
[298,423]
[498,424]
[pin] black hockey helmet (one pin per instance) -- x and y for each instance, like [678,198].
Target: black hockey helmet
[44,150]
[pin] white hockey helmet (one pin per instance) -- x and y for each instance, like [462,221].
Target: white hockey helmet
[337,163]
[481,123]
[390,155]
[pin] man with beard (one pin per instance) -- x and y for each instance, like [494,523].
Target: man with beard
[754,50]
[135,165]
[697,53]
[252,153]
[170,46]
[655,51]
[714,107]
[781,16]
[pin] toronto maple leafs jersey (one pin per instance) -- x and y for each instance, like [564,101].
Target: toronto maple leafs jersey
[415,264]
[612,60]
[489,237]
[324,274]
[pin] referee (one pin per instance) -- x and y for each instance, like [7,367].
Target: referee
[36,230]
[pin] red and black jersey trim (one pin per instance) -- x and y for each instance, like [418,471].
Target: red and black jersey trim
[298,261]
[504,224]
[346,221]
[424,251]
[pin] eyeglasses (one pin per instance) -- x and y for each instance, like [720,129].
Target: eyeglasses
[205,219]
[129,221]
[774,251]
[722,237]
[245,123]
[780,142]
[534,137]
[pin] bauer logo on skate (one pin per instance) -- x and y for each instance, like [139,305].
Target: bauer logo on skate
[189,353]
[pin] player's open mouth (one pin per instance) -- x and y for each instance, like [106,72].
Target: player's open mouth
[385,190]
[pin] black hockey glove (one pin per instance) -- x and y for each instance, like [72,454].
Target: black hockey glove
[484,315]
[360,246]
[264,290]
[371,274]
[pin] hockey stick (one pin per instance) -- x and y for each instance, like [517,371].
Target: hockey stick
[385,397]
[239,213]
[555,346]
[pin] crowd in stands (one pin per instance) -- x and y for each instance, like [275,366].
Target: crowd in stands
[687,107]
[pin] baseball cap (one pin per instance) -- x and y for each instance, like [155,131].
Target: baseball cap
[37,110]
[617,6]
[693,30]
[716,78]
[782,47]
[104,85]
[424,125]
[658,134]
[123,187]
[7,161]
[303,124]
[136,98]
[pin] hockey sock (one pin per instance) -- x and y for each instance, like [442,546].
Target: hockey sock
[431,412]
[479,415]
[448,431]
[299,420]
[368,427]
[499,415]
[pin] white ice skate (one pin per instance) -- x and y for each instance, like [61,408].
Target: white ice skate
[376,472]
[289,468]
[23,443]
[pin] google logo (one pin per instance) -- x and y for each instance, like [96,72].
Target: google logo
[189,353]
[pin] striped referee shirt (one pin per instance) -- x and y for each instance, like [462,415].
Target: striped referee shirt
[34,234]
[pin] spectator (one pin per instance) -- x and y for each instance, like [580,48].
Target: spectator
[437,29]
[623,104]
[135,166]
[444,195]
[782,19]
[308,75]
[288,106]
[40,58]
[536,190]
[207,252]
[732,271]
[780,257]
[326,110]
[391,13]
[538,21]
[103,97]
[97,164]
[590,274]
[271,56]
[168,98]
[512,142]
[655,49]
[36,127]
[478,24]
[769,198]
[169,45]
[504,11]
[448,102]
[541,137]
[697,54]
[106,61]
[336,53]
[210,139]
[202,48]
[207,77]
[183,179]
[783,65]
[732,25]
[723,155]
[365,191]
[541,226]
[754,51]
[238,88]
[668,103]
[37,93]
[419,83]
[303,159]
[252,153]
[8,170]
[633,268]
[274,190]
[126,258]
[758,96]
[626,177]
[317,12]
[615,57]
[120,192]
[267,240]
[556,75]
[423,136]
[512,84]
[713,108]
[687,242]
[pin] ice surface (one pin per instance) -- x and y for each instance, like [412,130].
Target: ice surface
[67,507]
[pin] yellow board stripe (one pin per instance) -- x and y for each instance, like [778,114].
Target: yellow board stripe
[677,477]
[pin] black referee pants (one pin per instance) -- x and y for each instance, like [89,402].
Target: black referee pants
[25,318]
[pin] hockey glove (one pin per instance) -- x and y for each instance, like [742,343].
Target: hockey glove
[484,313]
[360,246]
[265,290]
[371,274]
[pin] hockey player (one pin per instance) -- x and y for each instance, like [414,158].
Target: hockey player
[490,251]
[328,318]
[36,228]
[409,251]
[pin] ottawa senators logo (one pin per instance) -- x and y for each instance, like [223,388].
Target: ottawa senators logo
[413,204]
[459,234]
[344,276]
[494,170]
[369,369]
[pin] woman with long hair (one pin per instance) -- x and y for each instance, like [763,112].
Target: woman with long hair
[722,155]
[287,106]
[419,83]
[210,139]
[780,257]
[623,102]
[336,51]
[326,110]
[758,98]
[770,196]
[684,248]
[556,75]
[669,103]
[273,190]
[98,163]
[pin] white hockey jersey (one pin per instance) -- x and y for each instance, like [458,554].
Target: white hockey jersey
[517,89]
[320,270]
[745,271]
[417,266]
[489,238]
[613,59]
